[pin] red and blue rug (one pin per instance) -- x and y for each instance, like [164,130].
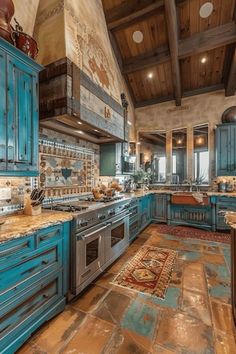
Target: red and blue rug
[190,232]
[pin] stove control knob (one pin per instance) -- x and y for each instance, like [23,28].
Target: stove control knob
[111,213]
[83,223]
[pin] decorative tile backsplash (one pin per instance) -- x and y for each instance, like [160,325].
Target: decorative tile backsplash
[65,168]
[70,168]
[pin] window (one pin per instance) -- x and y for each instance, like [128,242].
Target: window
[201,154]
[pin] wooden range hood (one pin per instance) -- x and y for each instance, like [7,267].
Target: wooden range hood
[70,102]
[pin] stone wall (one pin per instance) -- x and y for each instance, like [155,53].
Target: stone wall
[196,110]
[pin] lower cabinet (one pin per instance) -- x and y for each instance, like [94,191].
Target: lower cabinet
[191,215]
[33,283]
[144,208]
[159,207]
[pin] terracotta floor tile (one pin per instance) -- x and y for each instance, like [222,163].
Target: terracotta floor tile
[122,342]
[182,333]
[172,298]
[29,348]
[154,240]
[157,349]
[63,327]
[210,249]
[105,280]
[213,258]
[222,317]
[194,277]
[91,338]
[225,344]
[89,300]
[219,290]
[112,307]
[196,305]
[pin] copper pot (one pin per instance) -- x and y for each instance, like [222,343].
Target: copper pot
[26,43]
[7,10]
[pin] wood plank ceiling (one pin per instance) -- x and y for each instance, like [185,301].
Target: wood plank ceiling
[167,64]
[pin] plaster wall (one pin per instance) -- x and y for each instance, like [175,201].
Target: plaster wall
[25,14]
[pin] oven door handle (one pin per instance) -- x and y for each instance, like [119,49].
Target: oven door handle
[122,218]
[84,237]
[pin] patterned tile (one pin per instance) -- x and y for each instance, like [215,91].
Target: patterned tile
[194,278]
[141,319]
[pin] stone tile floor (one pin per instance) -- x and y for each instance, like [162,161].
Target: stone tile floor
[194,318]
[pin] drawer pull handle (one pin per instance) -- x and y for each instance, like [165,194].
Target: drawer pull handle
[52,234]
[45,262]
[14,249]
[46,296]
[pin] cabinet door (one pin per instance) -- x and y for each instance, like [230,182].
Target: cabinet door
[233,150]
[3,114]
[22,146]
[159,209]
[223,150]
[108,160]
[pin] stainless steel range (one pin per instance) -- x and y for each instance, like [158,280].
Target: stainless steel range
[100,234]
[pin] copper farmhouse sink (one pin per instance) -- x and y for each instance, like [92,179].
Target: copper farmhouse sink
[187,198]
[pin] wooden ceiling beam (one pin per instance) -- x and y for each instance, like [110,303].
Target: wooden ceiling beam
[172,28]
[127,13]
[208,40]
[198,43]
[143,61]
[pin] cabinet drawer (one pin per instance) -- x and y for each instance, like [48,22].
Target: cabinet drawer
[35,300]
[15,250]
[227,200]
[48,235]
[15,279]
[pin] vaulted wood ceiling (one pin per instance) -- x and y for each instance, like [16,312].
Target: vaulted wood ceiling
[175,39]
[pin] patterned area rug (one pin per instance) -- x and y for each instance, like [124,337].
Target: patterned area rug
[149,271]
[190,232]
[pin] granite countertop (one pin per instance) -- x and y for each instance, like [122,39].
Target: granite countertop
[230,218]
[20,225]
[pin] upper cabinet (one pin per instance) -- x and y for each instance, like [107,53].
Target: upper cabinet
[18,112]
[226,150]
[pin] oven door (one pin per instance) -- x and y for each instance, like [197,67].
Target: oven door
[117,237]
[89,254]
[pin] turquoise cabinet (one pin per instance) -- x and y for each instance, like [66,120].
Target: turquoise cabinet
[159,207]
[110,159]
[144,211]
[196,216]
[226,150]
[18,112]
[33,283]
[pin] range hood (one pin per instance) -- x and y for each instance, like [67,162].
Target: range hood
[70,102]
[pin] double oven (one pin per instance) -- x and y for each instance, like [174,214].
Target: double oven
[98,240]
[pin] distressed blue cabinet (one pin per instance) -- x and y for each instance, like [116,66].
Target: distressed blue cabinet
[33,283]
[159,207]
[196,216]
[18,112]
[226,150]
[144,211]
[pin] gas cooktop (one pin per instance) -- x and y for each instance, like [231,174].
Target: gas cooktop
[66,207]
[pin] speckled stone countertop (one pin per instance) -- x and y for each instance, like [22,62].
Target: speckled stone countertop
[230,218]
[22,225]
